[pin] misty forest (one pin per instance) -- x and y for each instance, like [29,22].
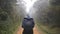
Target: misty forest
[46,15]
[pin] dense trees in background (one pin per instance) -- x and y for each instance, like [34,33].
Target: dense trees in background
[9,17]
[48,16]
[55,2]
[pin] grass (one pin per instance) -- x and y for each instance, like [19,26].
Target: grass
[47,30]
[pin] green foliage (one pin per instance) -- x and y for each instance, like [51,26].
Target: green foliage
[9,26]
[55,2]
[9,20]
[49,20]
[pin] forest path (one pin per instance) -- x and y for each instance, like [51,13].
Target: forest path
[35,30]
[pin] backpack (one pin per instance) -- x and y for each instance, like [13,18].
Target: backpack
[28,23]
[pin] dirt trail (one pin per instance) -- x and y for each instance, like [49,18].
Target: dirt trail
[35,30]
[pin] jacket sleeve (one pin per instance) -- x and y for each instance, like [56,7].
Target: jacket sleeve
[33,23]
